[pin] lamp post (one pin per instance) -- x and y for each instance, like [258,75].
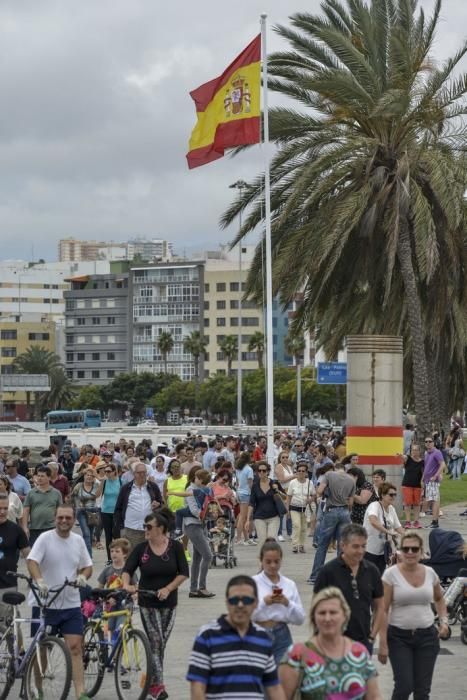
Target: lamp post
[239,185]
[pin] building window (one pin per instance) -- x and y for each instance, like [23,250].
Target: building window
[69,357]
[69,304]
[81,356]
[9,335]
[95,303]
[80,321]
[111,356]
[206,288]
[46,286]
[220,304]
[7,369]
[220,287]
[96,356]
[234,321]
[96,321]
[69,374]
[111,339]
[220,321]
[80,304]
[206,357]
[206,305]
[8,352]
[234,286]
[69,339]
[111,373]
[219,338]
[45,301]
[95,339]
[38,336]
[80,374]
[206,323]
[234,303]
[249,356]
[95,374]
[110,303]
[111,320]
[220,356]
[80,339]
[254,321]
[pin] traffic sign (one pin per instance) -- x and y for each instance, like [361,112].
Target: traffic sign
[332,372]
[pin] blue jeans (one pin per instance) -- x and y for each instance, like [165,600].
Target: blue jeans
[181,513]
[331,525]
[319,519]
[288,523]
[281,640]
[86,530]
[456,467]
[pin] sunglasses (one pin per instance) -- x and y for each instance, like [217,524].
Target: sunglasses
[427,442]
[147,526]
[243,599]
[354,585]
[413,550]
[393,494]
[264,471]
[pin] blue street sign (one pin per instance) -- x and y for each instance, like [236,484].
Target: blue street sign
[149,412]
[332,372]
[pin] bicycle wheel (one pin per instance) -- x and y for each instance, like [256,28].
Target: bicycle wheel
[94,659]
[7,674]
[48,673]
[133,666]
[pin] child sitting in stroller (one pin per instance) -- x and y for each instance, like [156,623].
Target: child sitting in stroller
[219,536]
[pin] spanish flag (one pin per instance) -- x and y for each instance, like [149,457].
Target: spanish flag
[228,108]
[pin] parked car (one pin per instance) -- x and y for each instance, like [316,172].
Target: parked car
[148,423]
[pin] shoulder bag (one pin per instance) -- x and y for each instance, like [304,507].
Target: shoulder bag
[279,502]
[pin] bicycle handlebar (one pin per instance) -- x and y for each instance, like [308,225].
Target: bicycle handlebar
[31,583]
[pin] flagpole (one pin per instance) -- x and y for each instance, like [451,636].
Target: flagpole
[267,212]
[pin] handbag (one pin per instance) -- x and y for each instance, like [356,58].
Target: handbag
[93,517]
[279,503]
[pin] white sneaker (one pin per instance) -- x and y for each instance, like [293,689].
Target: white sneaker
[281,539]
[422,515]
[252,542]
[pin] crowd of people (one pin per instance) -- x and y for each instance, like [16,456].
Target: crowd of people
[166,512]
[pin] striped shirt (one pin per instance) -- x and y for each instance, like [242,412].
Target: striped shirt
[232,666]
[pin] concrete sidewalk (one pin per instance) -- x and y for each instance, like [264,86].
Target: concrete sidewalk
[451,669]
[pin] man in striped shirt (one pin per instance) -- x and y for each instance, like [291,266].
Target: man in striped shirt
[232,657]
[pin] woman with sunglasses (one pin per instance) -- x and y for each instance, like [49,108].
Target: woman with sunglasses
[381,523]
[410,588]
[300,496]
[262,508]
[108,490]
[163,568]
[284,474]
[222,486]
[279,602]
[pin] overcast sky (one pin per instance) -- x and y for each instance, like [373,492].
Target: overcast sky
[95,116]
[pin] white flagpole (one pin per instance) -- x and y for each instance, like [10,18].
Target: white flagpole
[267,212]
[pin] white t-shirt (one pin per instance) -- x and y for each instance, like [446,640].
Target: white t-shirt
[293,613]
[375,544]
[299,492]
[60,558]
[411,605]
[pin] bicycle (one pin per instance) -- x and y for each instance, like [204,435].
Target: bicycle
[128,654]
[45,666]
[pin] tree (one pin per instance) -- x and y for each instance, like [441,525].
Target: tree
[229,347]
[256,344]
[134,391]
[36,360]
[89,397]
[61,392]
[165,343]
[370,179]
[195,344]
[295,346]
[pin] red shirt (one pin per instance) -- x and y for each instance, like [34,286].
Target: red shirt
[62,485]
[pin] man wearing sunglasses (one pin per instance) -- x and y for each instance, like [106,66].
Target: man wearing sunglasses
[432,476]
[232,657]
[360,582]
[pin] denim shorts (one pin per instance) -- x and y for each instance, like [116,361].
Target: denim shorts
[243,497]
[66,621]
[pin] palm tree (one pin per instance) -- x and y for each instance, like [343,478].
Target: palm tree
[36,360]
[61,393]
[370,179]
[165,343]
[295,346]
[195,344]
[256,344]
[229,347]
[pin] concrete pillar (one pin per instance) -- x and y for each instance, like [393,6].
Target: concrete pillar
[374,404]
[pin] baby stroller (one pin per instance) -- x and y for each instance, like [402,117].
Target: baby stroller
[220,529]
[446,547]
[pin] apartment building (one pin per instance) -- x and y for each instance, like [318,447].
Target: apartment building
[96,328]
[224,285]
[75,250]
[149,249]
[165,298]
[17,335]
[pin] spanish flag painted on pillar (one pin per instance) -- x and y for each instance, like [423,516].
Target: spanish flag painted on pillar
[228,108]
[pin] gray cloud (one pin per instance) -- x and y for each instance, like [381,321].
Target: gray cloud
[96,115]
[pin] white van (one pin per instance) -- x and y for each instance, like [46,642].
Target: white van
[194,422]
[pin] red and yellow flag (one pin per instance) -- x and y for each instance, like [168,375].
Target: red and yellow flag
[228,108]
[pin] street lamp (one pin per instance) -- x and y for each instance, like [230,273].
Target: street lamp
[239,185]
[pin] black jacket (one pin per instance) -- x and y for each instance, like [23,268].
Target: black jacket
[122,503]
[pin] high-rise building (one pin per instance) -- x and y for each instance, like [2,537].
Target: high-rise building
[165,298]
[96,328]
[150,249]
[224,285]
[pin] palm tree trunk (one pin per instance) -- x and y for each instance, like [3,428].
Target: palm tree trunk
[260,359]
[196,361]
[229,366]
[414,312]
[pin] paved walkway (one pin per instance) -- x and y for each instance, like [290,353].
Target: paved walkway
[451,668]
